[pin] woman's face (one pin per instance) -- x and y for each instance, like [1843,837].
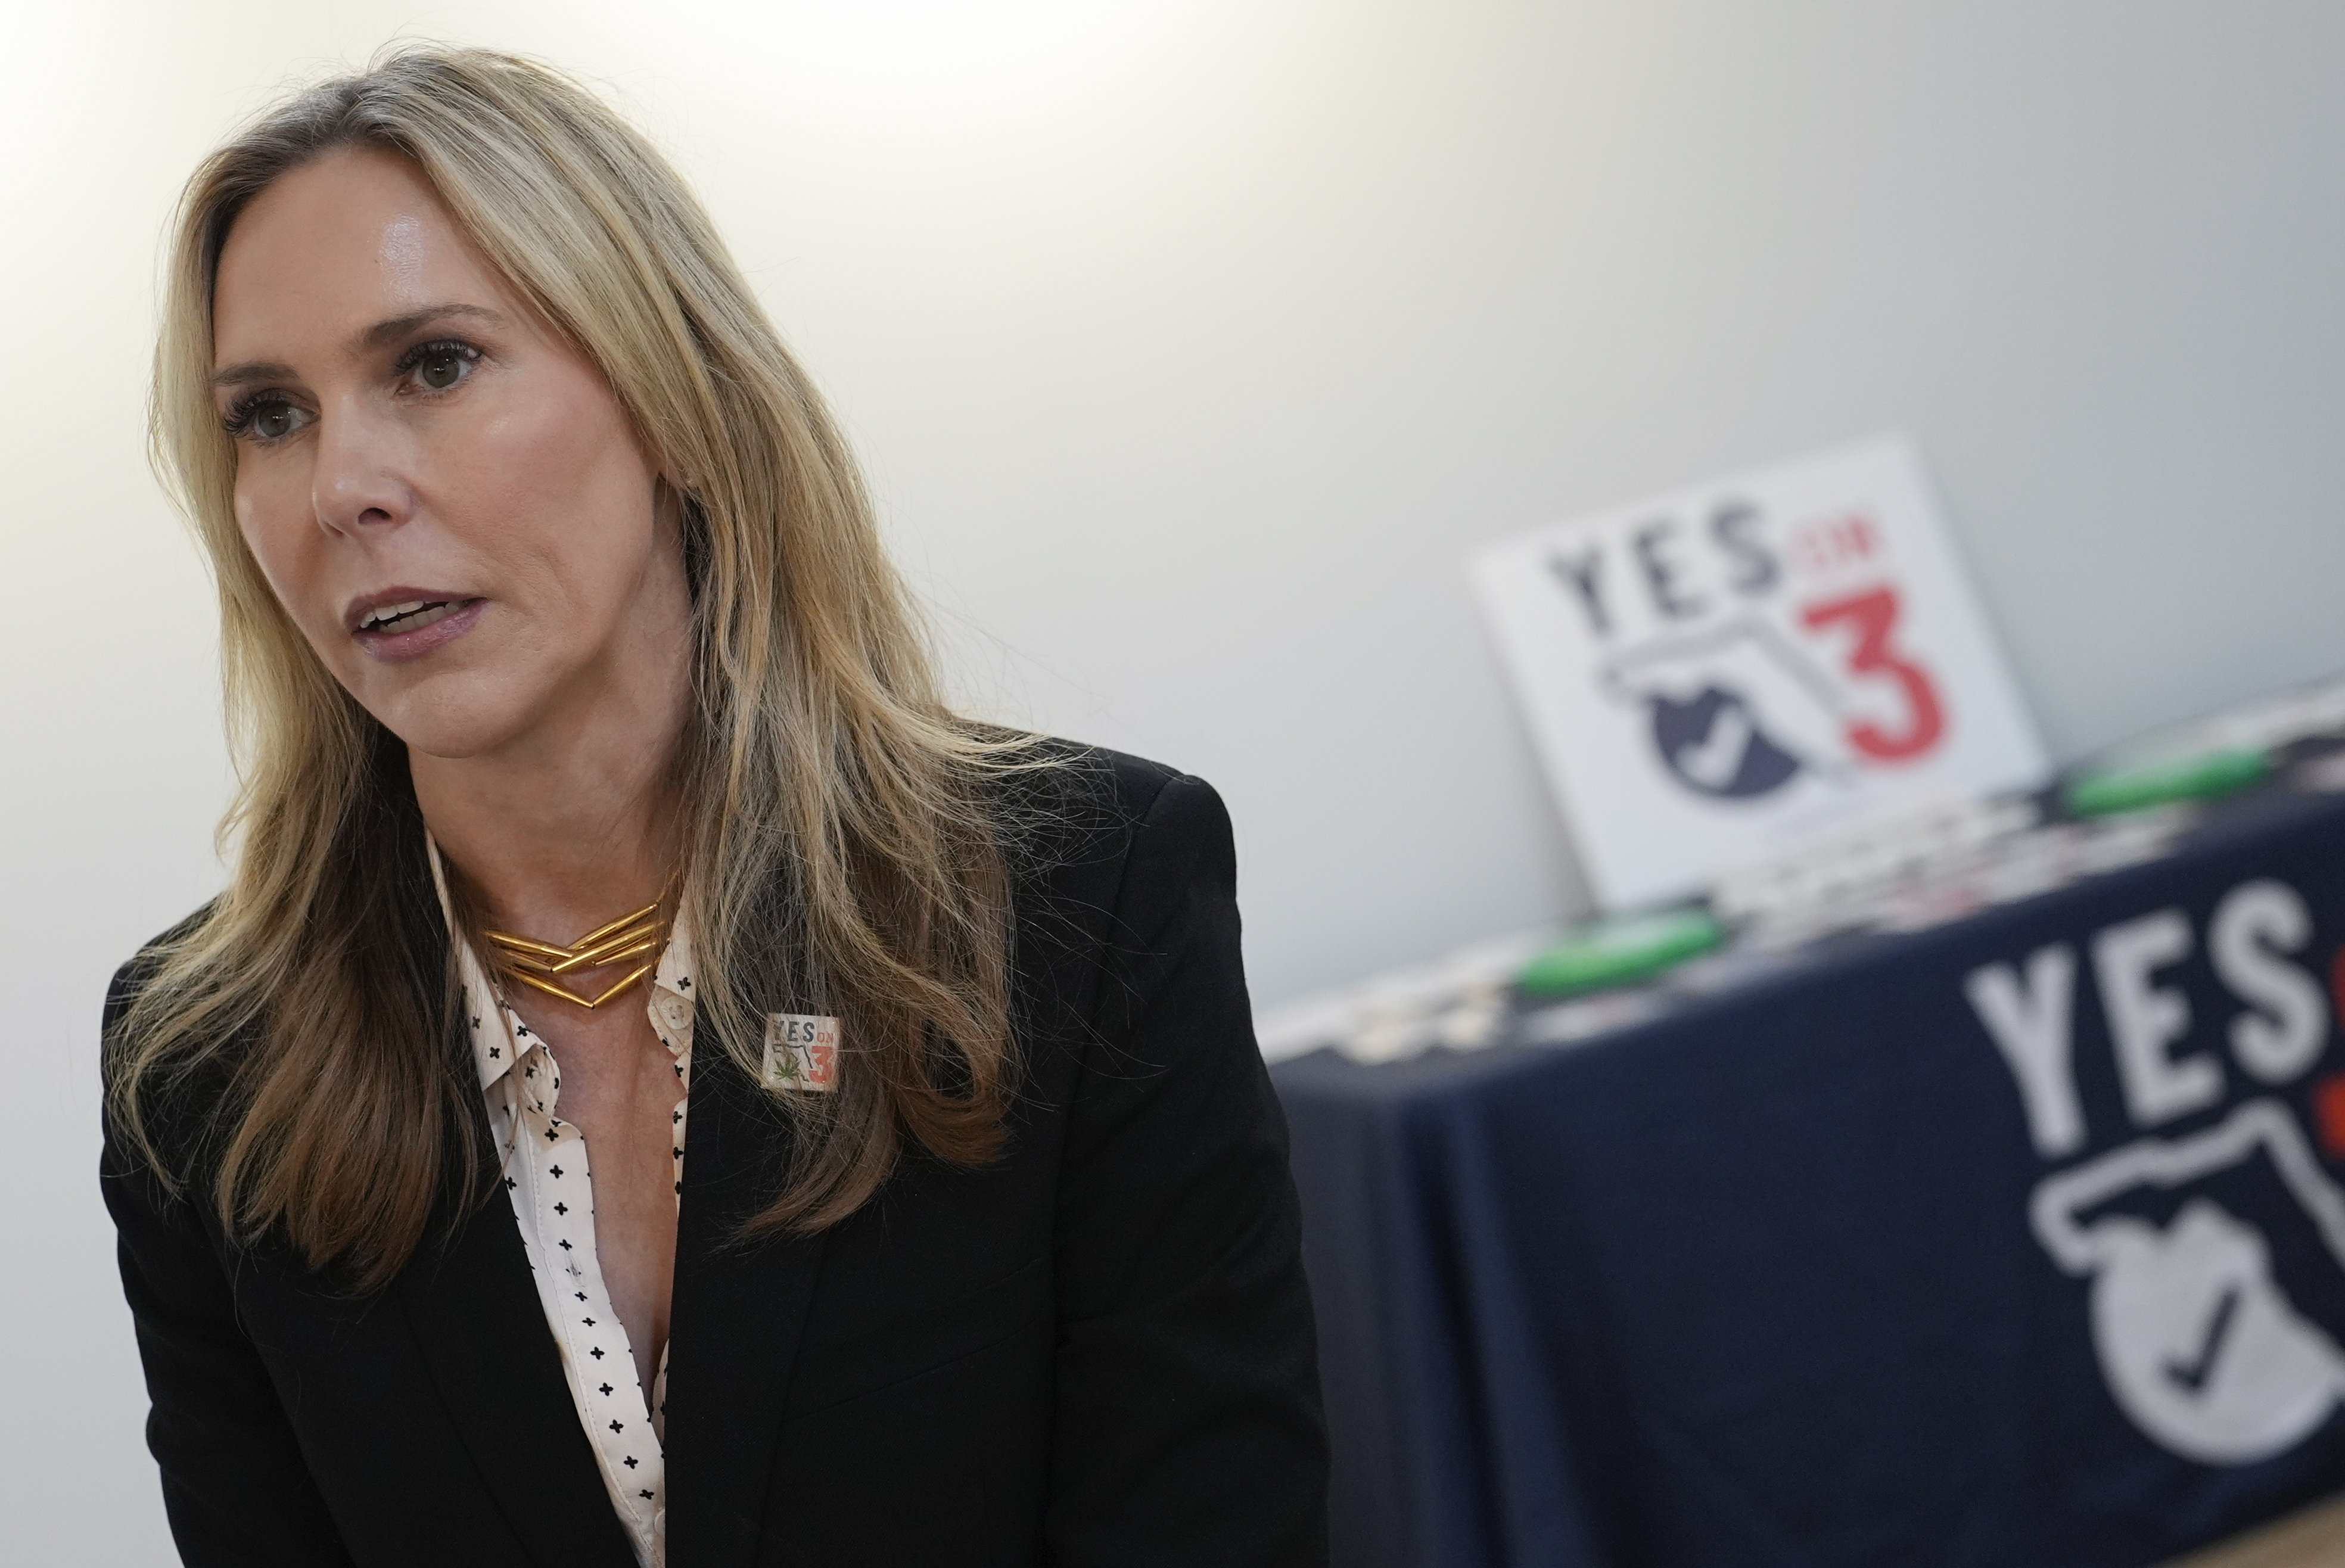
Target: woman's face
[448,500]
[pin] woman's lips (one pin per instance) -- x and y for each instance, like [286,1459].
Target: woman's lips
[397,632]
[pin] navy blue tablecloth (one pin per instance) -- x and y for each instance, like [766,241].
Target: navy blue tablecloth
[1767,1280]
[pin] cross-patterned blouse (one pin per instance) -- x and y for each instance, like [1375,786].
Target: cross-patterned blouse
[548,1176]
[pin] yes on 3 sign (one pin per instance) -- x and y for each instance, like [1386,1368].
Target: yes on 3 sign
[801,1051]
[1722,676]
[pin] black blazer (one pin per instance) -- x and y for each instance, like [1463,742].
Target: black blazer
[1096,1351]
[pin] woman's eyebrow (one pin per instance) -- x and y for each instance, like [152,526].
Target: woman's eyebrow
[250,372]
[382,332]
[385,332]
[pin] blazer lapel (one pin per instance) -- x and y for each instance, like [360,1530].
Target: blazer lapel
[735,1320]
[474,1308]
[477,1318]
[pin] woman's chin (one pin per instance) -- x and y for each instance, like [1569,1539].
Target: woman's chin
[471,727]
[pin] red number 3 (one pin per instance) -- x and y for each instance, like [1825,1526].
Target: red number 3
[1874,615]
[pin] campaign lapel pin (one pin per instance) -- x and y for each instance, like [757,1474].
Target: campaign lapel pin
[801,1052]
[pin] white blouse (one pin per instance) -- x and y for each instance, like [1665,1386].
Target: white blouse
[551,1182]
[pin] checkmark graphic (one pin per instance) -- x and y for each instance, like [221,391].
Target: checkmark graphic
[2192,1375]
[2197,1338]
[1713,759]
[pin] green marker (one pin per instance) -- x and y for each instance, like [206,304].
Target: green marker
[1615,951]
[2203,775]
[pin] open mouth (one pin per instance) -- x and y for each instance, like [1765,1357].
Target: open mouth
[412,616]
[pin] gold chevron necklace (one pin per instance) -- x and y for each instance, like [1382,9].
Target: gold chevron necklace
[542,964]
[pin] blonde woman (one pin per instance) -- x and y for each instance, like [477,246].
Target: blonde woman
[658,1085]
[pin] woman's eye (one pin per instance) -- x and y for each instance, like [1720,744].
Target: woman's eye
[264,419]
[436,366]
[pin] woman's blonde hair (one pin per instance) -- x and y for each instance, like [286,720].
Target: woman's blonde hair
[843,849]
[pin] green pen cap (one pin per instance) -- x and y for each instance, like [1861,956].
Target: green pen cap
[2102,792]
[1619,949]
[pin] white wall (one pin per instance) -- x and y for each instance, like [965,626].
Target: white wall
[1191,343]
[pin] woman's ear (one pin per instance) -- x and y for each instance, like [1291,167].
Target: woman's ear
[677,475]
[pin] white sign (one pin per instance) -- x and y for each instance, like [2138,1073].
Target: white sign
[1727,674]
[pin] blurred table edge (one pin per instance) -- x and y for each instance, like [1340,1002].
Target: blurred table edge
[2311,1538]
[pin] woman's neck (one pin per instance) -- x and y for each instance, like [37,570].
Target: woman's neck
[560,834]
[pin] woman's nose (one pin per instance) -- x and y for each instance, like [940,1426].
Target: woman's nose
[360,483]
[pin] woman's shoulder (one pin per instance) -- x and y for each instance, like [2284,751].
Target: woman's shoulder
[132,975]
[136,973]
[1068,808]
[1114,854]
[119,1041]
